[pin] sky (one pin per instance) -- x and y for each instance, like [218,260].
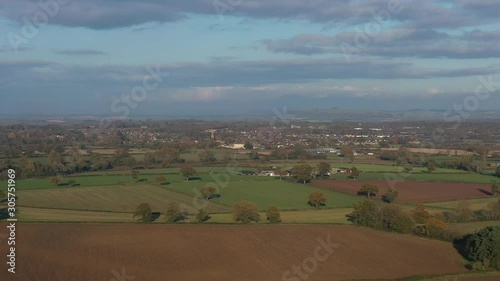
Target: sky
[202,57]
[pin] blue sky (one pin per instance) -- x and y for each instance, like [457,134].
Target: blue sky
[240,56]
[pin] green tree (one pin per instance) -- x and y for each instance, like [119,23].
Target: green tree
[143,212]
[484,247]
[245,212]
[368,190]
[248,145]
[323,168]
[253,155]
[394,219]
[431,166]
[390,196]
[366,213]
[173,213]
[188,172]
[202,216]
[302,173]
[273,214]
[135,175]
[316,199]
[420,215]
[355,172]
[407,168]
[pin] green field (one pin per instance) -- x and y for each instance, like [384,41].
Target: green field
[107,198]
[471,227]
[284,195]
[474,204]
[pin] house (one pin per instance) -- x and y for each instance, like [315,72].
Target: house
[341,171]
[321,150]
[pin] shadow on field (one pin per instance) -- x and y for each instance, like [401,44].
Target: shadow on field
[4,214]
[194,179]
[461,246]
[155,216]
[485,192]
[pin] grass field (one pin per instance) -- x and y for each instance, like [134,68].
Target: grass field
[107,198]
[284,195]
[474,204]
[471,227]
[30,214]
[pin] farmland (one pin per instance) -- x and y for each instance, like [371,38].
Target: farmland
[358,254]
[413,191]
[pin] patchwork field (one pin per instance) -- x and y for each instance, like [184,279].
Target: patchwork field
[108,198]
[413,191]
[244,252]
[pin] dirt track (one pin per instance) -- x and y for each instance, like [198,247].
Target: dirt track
[67,252]
[414,191]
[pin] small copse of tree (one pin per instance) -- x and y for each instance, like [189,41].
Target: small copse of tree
[245,212]
[317,199]
[143,212]
[273,215]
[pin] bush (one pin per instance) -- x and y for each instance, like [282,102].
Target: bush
[245,212]
[273,215]
[483,247]
[391,196]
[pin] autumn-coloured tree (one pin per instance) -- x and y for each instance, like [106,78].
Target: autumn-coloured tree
[246,212]
[188,172]
[317,199]
[143,212]
[420,215]
[273,214]
[56,180]
[173,213]
[494,210]
[160,179]
[208,192]
[202,216]
[495,188]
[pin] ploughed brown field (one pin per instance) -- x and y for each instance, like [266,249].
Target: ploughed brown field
[67,252]
[414,191]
